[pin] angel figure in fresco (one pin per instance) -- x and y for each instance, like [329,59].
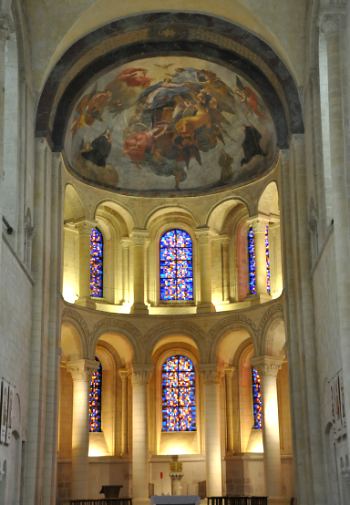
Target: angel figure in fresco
[90,108]
[249,97]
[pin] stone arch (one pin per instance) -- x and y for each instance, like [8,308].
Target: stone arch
[125,330]
[161,216]
[73,205]
[272,332]
[79,345]
[231,323]
[121,215]
[221,212]
[268,202]
[175,327]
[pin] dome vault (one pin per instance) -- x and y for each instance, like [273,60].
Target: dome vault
[169,103]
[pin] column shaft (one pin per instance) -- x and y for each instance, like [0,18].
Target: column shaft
[212,431]
[139,436]
[81,371]
[268,368]
[204,253]
[138,246]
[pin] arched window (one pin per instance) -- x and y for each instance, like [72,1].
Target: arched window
[178,394]
[95,400]
[176,266]
[96,263]
[251,260]
[257,400]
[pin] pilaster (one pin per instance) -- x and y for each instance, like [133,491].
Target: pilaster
[138,241]
[81,371]
[204,253]
[140,465]
[268,368]
[211,378]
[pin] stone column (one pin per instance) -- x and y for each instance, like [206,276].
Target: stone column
[125,243]
[275,257]
[332,25]
[124,415]
[259,224]
[81,371]
[138,237]
[140,469]
[268,368]
[229,409]
[5,29]
[212,430]
[84,228]
[225,242]
[204,255]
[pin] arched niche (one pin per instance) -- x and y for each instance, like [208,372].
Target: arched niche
[171,443]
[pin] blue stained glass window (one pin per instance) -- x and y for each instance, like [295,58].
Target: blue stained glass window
[267,255]
[96,263]
[257,400]
[176,266]
[178,394]
[251,261]
[95,400]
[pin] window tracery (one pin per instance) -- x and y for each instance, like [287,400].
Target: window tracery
[178,394]
[176,266]
[95,400]
[96,263]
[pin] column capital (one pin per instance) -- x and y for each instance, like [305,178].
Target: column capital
[229,371]
[139,236]
[267,365]
[141,374]
[123,373]
[259,222]
[84,226]
[125,242]
[81,369]
[202,233]
[209,372]
[6,27]
[332,21]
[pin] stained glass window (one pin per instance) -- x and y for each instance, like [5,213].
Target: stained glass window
[251,261]
[178,394]
[176,270]
[96,263]
[267,255]
[95,398]
[257,400]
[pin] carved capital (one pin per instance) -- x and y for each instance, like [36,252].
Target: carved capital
[139,236]
[267,365]
[6,27]
[209,373]
[85,226]
[203,234]
[81,369]
[331,22]
[141,374]
[229,372]
[124,374]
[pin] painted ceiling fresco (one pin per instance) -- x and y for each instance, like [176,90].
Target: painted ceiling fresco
[170,124]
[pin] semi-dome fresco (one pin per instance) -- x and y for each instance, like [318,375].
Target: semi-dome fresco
[170,124]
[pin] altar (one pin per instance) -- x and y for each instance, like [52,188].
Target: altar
[175,500]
